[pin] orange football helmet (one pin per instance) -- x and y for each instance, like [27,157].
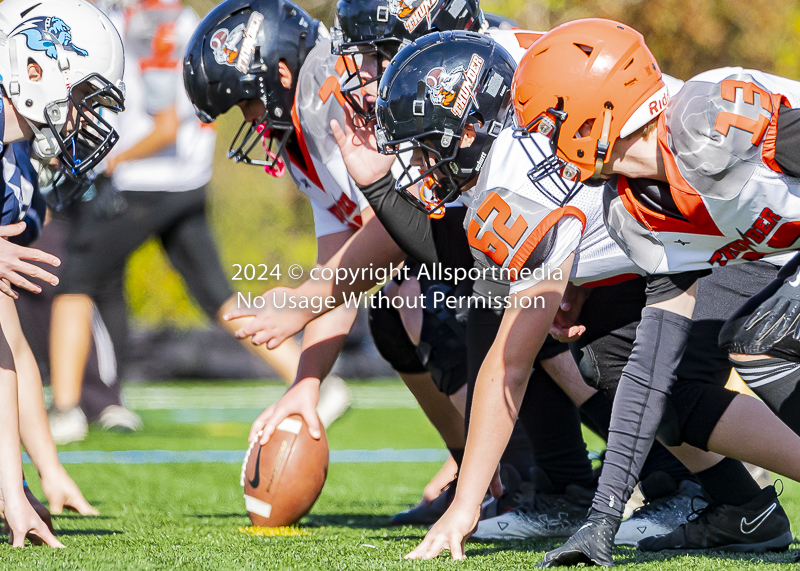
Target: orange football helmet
[592,73]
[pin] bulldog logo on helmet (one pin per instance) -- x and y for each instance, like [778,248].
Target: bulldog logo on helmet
[225,45]
[443,89]
[412,16]
[236,47]
[43,33]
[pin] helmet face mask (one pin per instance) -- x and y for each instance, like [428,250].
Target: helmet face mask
[435,181]
[86,137]
[549,125]
[548,175]
[364,62]
[273,136]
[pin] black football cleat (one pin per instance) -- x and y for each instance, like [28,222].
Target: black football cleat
[757,526]
[591,544]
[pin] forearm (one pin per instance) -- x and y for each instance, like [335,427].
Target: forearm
[498,395]
[409,227]
[33,426]
[323,340]
[428,241]
[10,457]
[641,397]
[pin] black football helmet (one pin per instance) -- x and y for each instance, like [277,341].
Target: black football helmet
[432,91]
[382,27]
[234,55]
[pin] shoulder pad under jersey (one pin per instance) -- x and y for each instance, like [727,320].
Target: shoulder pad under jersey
[715,128]
[317,99]
[509,224]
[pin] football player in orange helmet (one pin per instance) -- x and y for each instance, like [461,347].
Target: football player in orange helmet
[682,177]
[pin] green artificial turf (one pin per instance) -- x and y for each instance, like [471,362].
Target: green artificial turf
[188,516]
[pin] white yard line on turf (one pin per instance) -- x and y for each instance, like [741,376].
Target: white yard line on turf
[393,395]
[236,456]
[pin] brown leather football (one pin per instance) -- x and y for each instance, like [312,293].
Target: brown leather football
[283,478]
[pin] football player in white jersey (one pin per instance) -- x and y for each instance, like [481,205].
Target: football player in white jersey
[426,346]
[543,206]
[699,181]
[60,65]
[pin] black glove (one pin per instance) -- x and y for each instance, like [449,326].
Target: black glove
[591,544]
[778,317]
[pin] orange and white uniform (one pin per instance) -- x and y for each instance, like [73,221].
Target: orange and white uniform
[727,200]
[514,225]
[320,173]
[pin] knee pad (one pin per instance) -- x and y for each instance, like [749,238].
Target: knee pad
[599,369]
[392,341]
[693,410]
[443,339]
[669,431]
[587,365]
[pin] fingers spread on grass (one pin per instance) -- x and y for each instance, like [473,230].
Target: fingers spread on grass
[431,547]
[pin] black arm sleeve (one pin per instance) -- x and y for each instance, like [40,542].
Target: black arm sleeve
[787,141]
[428,241]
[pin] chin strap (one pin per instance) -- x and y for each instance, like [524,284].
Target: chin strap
[602,144]
[44,144]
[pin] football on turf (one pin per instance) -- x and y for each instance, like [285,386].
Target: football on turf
[283,478]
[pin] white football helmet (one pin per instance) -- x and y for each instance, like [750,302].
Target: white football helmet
[81,59]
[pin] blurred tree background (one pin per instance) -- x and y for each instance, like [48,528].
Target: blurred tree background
[259,219]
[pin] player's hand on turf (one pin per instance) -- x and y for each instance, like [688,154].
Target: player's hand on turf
[62,492]
[268,324]
[302,399]
[23,522]
[565,328]
[12,265]
[360,150]
[450,532]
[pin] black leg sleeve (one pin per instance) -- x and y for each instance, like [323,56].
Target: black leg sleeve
[639,404]
[553,425]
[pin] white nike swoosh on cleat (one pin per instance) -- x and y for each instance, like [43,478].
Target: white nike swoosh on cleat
[758,520]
